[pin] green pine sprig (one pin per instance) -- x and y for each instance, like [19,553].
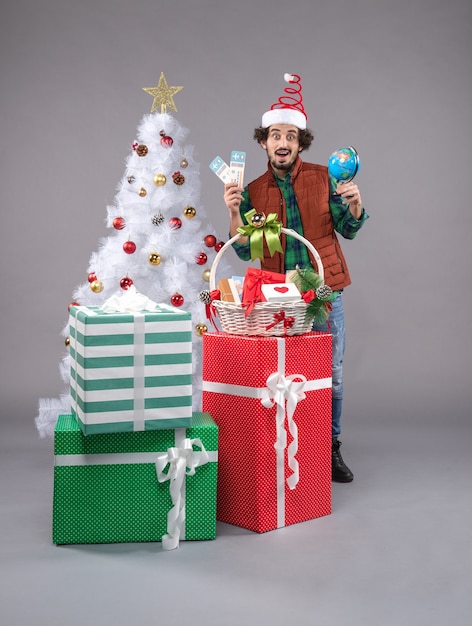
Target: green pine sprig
[306,280]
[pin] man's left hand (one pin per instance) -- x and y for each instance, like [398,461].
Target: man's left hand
[351,195]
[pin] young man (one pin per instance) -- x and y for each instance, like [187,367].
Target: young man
[308,200]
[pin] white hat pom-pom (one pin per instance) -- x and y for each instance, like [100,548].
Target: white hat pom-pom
[288,78]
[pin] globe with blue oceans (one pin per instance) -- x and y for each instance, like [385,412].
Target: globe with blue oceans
[344,164]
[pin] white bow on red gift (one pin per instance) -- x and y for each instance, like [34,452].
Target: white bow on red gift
[280,390]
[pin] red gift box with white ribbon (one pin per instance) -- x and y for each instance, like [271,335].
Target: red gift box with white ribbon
[271,400]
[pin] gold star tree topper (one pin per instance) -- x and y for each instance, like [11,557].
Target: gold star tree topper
[163,95]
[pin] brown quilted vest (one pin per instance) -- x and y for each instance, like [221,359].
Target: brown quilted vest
[311,186]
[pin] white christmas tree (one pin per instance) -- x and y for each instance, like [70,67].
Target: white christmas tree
[160,242]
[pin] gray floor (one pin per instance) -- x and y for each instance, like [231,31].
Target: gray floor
[397,550]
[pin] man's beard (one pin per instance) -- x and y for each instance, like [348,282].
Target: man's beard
[285,166]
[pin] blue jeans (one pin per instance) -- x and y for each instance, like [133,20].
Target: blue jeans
[337,329]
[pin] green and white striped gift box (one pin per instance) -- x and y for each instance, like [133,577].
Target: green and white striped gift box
[130,371]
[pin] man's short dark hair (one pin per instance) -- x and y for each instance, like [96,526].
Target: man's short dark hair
[305,137]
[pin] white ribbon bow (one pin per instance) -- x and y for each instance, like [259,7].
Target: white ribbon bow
[130,301]
[182,462]
[279,389]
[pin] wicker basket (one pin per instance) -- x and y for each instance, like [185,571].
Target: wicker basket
[232,315]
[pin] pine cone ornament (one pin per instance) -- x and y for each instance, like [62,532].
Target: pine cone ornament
[205,296]
[324,292]
[141,150]
[157,219]
[178,178]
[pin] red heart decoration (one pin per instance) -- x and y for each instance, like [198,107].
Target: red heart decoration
[281,289]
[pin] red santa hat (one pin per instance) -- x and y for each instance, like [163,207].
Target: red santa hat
[289,107]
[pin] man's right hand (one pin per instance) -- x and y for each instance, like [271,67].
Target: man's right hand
[233,198]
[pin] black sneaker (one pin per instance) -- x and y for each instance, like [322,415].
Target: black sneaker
[340,473]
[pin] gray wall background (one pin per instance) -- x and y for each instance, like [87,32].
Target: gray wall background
[391,77]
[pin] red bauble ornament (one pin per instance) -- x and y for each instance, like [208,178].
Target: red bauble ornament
[201,258]
[73,304]
[129,247]
[210,241]
[177,299]
[167,141]
[219,245]
[119,223]
[126,282]
[175,223]
[91,277]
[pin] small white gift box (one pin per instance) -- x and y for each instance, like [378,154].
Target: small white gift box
[280,292]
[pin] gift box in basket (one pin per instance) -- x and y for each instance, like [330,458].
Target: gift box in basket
[270,312]
[131,365]
[271,399]
[135,486]
[255,281]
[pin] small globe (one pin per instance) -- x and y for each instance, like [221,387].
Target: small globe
[344,164]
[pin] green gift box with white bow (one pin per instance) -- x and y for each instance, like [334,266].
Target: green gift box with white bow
[130,370]
[155,485]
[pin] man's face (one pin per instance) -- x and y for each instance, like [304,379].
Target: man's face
[282,147]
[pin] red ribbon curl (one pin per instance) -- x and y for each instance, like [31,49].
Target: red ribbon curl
[210,309]
[308,296]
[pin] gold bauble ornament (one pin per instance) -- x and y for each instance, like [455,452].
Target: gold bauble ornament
[96,286]
[154,258]
[142,192]
[67,342]
[206,275]
[258,220]
[159,180]
[201,329]
[184,163]
[190,212]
